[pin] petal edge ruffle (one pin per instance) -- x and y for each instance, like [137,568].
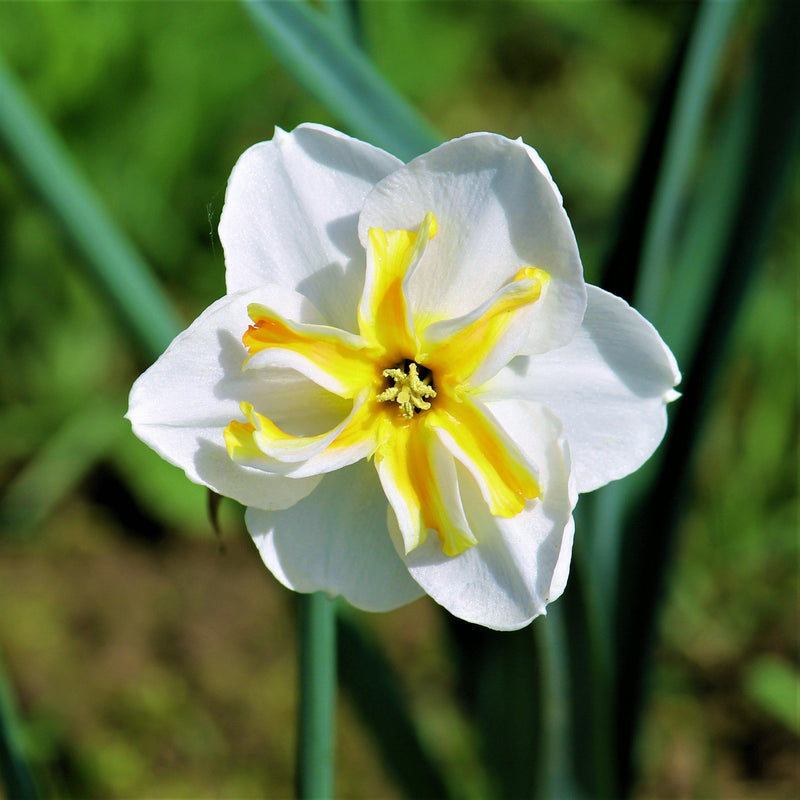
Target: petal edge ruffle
[609,387]
[182,404]
[290,216]
[497,212]
[519,564]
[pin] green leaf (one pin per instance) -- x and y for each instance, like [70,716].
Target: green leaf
[621,263]
[372,684]
[564,730]
[680,149]
[767,107]
[135,298]
[324,61]
[603,511]
[587,629]
[708,227]
[14,769]
[346,15]
[160,487]
[60,464]
[110,260]
[509,698]
[773,684]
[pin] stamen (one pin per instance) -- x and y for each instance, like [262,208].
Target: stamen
[409,390]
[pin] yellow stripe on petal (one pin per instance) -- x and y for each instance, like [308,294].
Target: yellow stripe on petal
[274,442]
[383,315]
[341,356]
[239,442]
[361,427]
[503,474]
[259,440]
[457,348]
[405,463]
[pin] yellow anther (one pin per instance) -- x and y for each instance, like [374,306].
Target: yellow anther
[409,391]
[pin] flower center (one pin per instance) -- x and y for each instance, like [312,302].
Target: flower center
[411,388]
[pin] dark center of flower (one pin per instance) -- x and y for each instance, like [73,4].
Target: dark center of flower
[410,385]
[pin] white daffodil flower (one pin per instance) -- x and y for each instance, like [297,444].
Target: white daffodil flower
[408,382]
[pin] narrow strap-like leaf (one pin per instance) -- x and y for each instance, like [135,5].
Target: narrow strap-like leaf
[503,690]
[60,464]
[334,71]
[372,685]
[620,266]
[111,261]
[706,231]
[639,261]
[770,100]
[347,16]
[688,116]
[14,769]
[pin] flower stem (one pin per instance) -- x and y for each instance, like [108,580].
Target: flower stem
[315,739]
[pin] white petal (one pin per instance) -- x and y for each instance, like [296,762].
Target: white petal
[561,571]
[519,564]
[609,387]
[405,513]
[542,167]
[335,375]
[337,541]
[182,404]
[496,212]
[290,217]
[435,467]
[470,341]
[301,457]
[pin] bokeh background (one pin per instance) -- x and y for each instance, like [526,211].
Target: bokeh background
[150,657]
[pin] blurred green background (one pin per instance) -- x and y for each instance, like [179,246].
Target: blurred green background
[151,659]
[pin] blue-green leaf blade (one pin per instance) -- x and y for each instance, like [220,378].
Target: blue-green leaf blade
[688,115]
[372,684]
[332,69]
[112,262]
[768,108]
[14,769]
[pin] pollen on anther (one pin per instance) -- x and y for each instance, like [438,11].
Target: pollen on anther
[410,391]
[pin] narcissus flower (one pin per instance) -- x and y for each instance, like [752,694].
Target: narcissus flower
[408,382]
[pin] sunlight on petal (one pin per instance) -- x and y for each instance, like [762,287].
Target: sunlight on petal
[462,379]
